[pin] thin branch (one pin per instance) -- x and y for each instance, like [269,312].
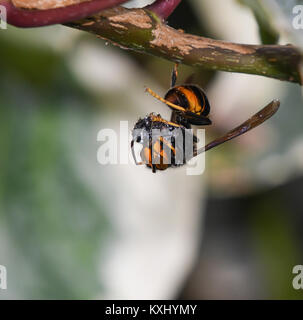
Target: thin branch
[163,8]
[142,30]
[38,18]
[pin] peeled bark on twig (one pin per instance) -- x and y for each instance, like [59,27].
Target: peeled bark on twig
[142,30]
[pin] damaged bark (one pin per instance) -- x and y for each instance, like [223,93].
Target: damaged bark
[142,30]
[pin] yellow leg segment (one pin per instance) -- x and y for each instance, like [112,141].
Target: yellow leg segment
[174,106]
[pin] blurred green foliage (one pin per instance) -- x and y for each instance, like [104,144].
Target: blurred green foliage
[276,244]
[52,220]
[268,33]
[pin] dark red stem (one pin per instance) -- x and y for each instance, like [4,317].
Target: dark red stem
[163,8]
[38,18]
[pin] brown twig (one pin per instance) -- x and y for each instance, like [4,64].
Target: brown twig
[143,31]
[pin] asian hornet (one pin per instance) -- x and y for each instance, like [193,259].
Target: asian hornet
[190,106]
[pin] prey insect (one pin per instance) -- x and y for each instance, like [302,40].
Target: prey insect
[165,143]
[162,141]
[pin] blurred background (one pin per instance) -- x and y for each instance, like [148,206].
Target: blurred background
[71,228]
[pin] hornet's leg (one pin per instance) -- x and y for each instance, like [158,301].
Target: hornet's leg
[174,75]
[174,106]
